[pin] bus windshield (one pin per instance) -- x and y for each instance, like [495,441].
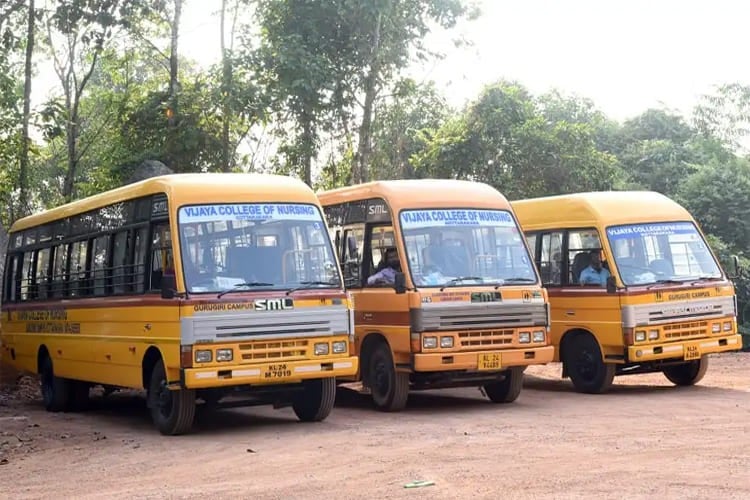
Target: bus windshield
[658,252]
[263,245]
[455,247]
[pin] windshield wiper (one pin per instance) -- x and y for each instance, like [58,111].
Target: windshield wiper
[505,281]
[310,284]
[709,278]
[454,281]
[243,285]
[666,281]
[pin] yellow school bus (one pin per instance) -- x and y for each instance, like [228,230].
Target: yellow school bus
[444,291]
[217,287]
[633,286]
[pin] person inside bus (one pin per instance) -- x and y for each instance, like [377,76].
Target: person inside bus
[595,273]
[389,266]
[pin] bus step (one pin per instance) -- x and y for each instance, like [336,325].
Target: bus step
[356,387]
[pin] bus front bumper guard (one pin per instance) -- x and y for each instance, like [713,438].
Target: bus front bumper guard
[687,349]
[283,372]
[480,361]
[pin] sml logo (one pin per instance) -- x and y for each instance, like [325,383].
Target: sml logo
[273,304]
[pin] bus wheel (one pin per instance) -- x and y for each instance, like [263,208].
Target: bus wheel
[689,373]
[583,360]
[55,390]
[508,389]
[315,401]
[172,411]
[390,389]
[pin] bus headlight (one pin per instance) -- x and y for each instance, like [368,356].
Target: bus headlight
[224,355]
[203,356]
[339,347]
[640,336]
[538,336]
[446,342]
[321,348]
[524,337]
[727,326]
[716,327]
[653,334]
[429,342]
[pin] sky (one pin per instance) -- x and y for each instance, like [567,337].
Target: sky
[626,56]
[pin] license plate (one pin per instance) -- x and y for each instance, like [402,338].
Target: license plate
[277,371]
[692,352]
[490,361]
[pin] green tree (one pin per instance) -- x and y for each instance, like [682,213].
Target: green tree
[388,34]
[522,145]
[398,128]
[718,196]
[725,115]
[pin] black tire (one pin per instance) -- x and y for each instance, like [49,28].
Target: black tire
[508,389]
[315,401]
[585,367]
[689,373]
[389,388]
[55,390]
[172,412]
[78,395]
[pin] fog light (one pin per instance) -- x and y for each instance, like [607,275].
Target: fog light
[446,342]
[727,326]
[524,337]
[538,336]
[716,327]
[224,355]
[429,342]
[339,347]
[203,356]
[653,334]
[640,336]
[321,348]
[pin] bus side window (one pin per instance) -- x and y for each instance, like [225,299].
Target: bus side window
[100,263]
[550,259]
[139,259]
[351,261]
[120,258]
[161,255]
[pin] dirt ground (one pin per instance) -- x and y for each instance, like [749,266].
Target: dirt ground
[644,439]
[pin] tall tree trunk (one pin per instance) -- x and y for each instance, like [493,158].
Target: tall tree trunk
[226,85]
[308,149]
[70,140]
[364,147]
[174,85]
[23,173]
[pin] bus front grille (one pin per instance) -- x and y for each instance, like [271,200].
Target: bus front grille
[288,350]
[485,339]
[686,330]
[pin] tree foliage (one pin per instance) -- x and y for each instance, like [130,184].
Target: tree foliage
[306,87]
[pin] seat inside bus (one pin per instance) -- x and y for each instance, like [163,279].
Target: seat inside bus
[451,260]
[255,263]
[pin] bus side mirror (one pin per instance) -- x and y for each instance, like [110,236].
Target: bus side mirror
[611,285]
[399,283]
[168,286]
[737,271]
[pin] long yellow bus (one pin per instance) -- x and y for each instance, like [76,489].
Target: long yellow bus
[633,286]
[445,293]
[218,287]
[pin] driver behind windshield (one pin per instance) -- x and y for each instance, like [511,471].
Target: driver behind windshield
[387,275]
[595,273]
